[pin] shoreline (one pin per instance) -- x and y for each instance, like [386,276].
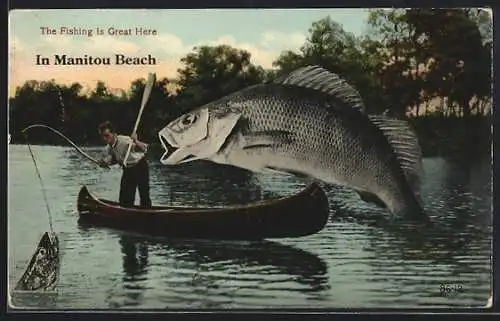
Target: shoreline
[438,136]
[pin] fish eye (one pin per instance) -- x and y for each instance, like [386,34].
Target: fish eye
[188,119]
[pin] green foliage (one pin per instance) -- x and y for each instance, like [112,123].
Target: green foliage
[331,47]
[428,53]
[434,63]
[212,72]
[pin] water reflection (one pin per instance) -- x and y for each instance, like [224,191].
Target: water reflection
[453,246]
[135,258]
[135,264]
[205,183]
[307,268]
[205,266]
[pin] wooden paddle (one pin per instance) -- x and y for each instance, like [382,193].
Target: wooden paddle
[145,98]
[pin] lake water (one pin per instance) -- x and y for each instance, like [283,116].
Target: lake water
[353,262]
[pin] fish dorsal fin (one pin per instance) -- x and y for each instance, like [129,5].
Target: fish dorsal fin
[318,78]
[405,144]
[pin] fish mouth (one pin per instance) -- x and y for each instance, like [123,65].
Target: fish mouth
[50,241]
[174,155]
[169,149]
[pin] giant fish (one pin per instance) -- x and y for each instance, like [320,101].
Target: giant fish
[308,122]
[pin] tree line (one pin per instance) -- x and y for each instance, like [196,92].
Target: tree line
[431,66]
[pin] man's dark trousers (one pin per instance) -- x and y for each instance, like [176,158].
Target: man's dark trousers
[135,177]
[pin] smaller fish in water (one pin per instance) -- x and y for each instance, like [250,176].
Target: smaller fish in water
[43,270]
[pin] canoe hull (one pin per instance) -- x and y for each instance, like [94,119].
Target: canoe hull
[302,214]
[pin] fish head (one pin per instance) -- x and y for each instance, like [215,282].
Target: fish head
[198,134]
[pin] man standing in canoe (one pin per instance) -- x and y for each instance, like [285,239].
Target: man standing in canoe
[136,172]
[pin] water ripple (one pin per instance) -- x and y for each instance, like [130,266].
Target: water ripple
[357,260]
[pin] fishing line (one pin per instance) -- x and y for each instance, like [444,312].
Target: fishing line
[41,183]
[24,131]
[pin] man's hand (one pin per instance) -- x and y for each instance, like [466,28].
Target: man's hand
[138,145]
[102,163]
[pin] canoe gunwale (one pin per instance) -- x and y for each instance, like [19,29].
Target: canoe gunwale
[309,189]
[304,213]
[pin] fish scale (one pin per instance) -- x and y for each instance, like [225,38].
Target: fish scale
[321,140]
[309,122]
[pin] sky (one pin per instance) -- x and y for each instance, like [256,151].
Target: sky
[265,33]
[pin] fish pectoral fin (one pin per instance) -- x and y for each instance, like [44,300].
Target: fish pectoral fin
[267,139]
[371,198]
[283,171]
[271,170]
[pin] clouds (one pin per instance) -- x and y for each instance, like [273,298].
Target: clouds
[278,40]
[167,47]
[259,55]
[264,52]
[168,44]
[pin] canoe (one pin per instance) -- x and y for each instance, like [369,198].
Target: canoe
[300,214]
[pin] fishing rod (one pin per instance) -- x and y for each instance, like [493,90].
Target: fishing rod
[24,131]
[78,149]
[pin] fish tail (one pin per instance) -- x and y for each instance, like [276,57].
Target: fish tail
[404,143]
[406,148]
